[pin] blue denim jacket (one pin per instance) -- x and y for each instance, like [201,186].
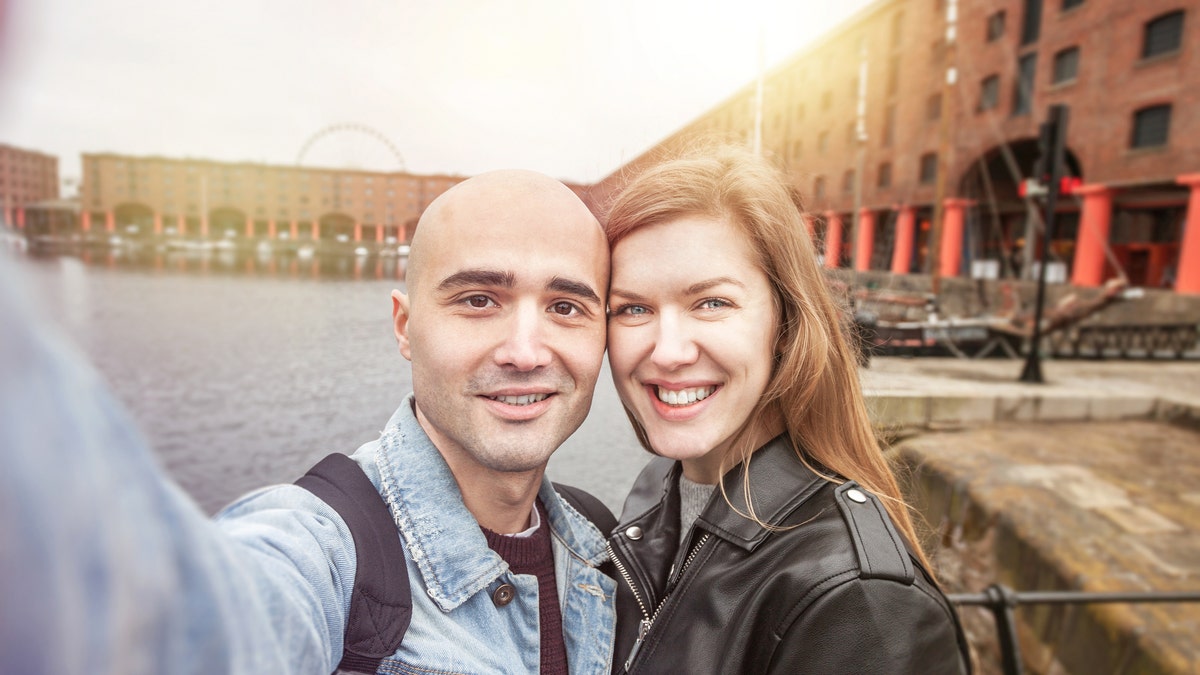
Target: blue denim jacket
[456,628]
[106,566]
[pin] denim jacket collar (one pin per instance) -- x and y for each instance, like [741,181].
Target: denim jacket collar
[441,535]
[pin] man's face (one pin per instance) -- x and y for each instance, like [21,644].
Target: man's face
[504,321]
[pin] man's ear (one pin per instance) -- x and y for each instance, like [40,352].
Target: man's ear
[400,313]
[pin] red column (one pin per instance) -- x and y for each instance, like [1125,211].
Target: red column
[182,227]
[316,230]
[379,234]
[110,221]
[833,239]
[864,240]
[357,232]
[906,223]
[85,221]
[157,224]
[1088,266]
[295,230]
[1187,274]
[271,229]
[204,226]
[249,227]
[20,217]
[950,254]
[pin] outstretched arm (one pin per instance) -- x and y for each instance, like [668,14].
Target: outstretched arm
[107,567]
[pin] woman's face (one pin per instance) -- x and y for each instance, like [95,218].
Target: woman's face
[690,336]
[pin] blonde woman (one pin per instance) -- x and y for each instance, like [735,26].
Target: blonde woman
[769,535]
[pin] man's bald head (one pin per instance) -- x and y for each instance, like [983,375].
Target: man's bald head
[504,325]
[508,199]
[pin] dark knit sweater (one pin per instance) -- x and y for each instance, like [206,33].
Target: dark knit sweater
[533,555]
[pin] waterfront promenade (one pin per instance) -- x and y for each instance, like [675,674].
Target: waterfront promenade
[242,379]
[1090,481]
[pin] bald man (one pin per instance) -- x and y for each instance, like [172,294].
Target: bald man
[504,324]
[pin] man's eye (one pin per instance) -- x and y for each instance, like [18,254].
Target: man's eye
[632,310]
[564,309]
[479,301]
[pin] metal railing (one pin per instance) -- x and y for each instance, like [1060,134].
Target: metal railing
[1002,600]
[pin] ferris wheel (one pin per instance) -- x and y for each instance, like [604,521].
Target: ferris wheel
[351,145]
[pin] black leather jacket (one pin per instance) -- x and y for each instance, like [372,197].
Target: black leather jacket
[840,593]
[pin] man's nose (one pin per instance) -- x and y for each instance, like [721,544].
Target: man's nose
[524,346]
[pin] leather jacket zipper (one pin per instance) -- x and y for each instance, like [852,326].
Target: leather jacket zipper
[648,618]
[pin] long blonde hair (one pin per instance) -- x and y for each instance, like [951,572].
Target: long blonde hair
[814,384]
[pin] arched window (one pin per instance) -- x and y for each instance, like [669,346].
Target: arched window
[1163,35]
[1151,126]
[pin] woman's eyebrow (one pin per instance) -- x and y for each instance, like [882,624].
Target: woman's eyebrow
[702,286]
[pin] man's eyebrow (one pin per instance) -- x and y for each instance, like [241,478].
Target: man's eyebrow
[466,278]
[573,287]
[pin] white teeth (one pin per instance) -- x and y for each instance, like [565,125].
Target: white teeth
[525,399]
[683,396]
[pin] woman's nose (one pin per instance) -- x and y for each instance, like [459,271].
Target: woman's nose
[674,345]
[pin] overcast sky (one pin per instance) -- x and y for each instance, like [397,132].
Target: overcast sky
[566,87]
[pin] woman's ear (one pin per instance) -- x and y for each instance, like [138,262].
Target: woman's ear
[400,315]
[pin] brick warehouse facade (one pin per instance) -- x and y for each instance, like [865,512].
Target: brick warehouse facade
[202,199]
[1128,72]
[26,178]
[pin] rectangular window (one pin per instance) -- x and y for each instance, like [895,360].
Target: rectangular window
[897,28]
[884,176]
[1151,127]
[1071,4]
[1066,65]
[889,126]
[848,181]
[1023,92]
[819,188]
[1163,35]
[989,92]
[1031,27]
[995,26]
[933,108]
[823,142]
[928,168]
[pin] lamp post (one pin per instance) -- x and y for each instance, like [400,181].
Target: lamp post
[1051,139]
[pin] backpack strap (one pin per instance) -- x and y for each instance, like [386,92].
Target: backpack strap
[592,508]
[381,601]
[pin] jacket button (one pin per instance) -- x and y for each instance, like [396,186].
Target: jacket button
[634,533]
[856,495]
[503,595]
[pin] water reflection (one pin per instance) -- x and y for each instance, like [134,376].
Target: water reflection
[261,262]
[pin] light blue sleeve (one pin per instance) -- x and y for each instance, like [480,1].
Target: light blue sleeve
[106,566]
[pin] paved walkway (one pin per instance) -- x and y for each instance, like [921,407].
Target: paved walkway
[1104,496]
[949,392]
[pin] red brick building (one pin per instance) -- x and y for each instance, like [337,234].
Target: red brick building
[1128,72]
[26,178]
[194,198]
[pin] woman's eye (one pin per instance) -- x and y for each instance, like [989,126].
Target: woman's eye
[713,303]
[631,310]
[479,301]
[564,309]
